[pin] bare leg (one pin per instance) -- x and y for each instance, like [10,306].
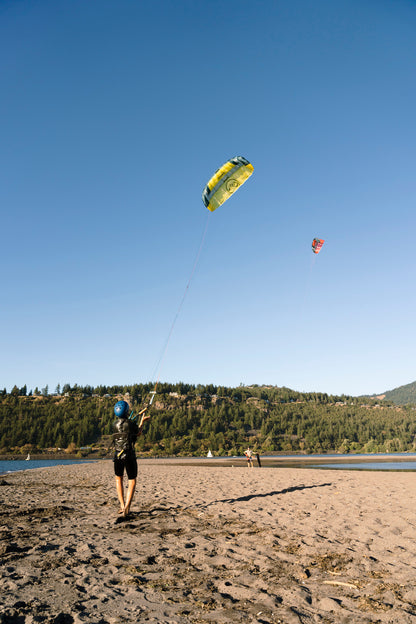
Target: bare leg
[130,494]
[120,492]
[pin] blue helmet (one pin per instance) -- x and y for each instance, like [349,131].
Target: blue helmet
[121,409]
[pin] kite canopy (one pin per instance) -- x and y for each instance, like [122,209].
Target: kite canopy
[226,181]
[317,245]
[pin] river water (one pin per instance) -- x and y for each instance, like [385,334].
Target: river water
[23,464]
[370,461]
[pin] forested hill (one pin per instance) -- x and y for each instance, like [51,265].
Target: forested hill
[403,395]
[189,420]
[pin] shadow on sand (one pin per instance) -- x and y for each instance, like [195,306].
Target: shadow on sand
[161,510]
[250,497]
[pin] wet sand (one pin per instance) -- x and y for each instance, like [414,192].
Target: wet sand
[207,543]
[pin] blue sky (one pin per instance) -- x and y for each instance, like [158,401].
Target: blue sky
[114,115]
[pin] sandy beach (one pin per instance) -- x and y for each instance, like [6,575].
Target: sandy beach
[208,543]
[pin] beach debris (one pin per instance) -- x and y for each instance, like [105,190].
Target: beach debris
[341,583]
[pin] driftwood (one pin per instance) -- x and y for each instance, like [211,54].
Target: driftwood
[350,585]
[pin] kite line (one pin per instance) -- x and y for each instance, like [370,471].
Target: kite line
[225,181]
[158,367]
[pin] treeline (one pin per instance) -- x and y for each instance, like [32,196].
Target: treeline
[190,420]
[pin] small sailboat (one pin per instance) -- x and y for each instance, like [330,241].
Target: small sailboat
[28,457]
[210,454]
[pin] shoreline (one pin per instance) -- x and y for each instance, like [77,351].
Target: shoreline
[367,463]
[399,462]
[224,458]
[222,545]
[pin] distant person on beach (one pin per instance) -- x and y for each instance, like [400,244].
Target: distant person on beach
[249,455]
[126,432]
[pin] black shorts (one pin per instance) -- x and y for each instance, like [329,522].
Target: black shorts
[129,463]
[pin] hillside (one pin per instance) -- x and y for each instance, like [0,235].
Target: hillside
[189,420]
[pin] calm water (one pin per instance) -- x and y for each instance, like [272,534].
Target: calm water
[386,465]
[22,464]
[371,461]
